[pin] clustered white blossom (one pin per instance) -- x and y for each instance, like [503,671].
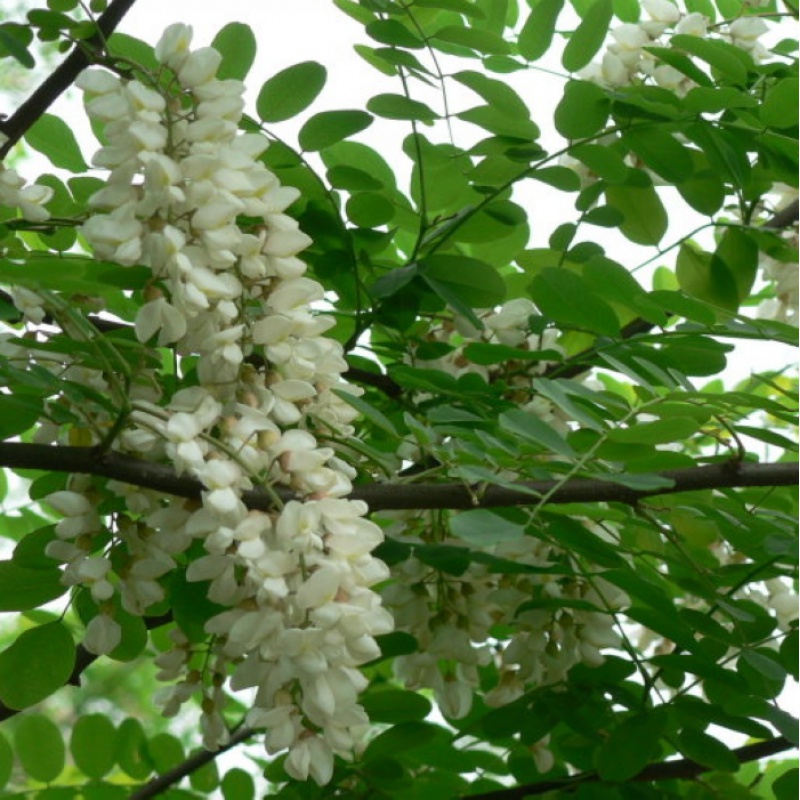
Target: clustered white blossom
[452,617]
[299,615]
[625,61]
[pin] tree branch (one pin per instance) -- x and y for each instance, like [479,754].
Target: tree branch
[385,496]
[683,769]
[83,659]
[159,784]
[18,124]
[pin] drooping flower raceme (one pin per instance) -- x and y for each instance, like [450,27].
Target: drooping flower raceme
[299,615]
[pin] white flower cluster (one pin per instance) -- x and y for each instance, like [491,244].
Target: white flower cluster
[300,615]
[454,618]
[30,200]
[625,61]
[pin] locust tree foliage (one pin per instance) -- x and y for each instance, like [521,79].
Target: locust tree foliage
[366,463]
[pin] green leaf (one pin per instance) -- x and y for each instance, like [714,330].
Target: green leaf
[237,785]
[658,432]
[738,251]
[6,760]
[605,162]
[571,535]
[400,739]
[706,278]
[522,423]
[22,589]
[588,37]
[480,41]
[393,32]
[367,410]
[52,137]
[565,298]
[37,664]
[13,41]
[18,413]
[474,283]
[726,58]
[39,747]
[537,32]
[497,94]
[352,179]
[394,706]
[165,751]
[237,44]
[71,274]
[660,151]
[191,608]
[369,209]
[291,91]
[330,127]
[780,108]
[131,753]
[483,527]
[398,106]
[786,786]
[706,750]
[630,747]
[646,218]
[93,744]
[582,111]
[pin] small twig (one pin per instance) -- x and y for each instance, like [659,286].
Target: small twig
[683,769]
[20,122]
[195,762]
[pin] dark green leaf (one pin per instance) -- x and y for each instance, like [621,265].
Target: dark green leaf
[6,760]
[39,747]
[660,151]
[13,41]
[291,91]
[367,410]
[706,278]
[237,785]
[37,664]
[780,109]
[395,706]
[706,750]
[237,44]
[481,41]
[393,32]
[728,59]
[565,298]
[630,747]
[605,162]
[18,413]
[22,589]
[645,216]
[528,426]
[398,106]
[52,137]
[352,179]
[400,739]
[475,283]
[657,432]
[131,753]
[483,527]
[93,744]
[330,127]
[537,32]
[369,209]
[583,110]
[588,37]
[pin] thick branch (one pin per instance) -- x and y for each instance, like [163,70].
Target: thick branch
[683,769]
[385,496]
[17,125]
[83,659]
[161,783]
